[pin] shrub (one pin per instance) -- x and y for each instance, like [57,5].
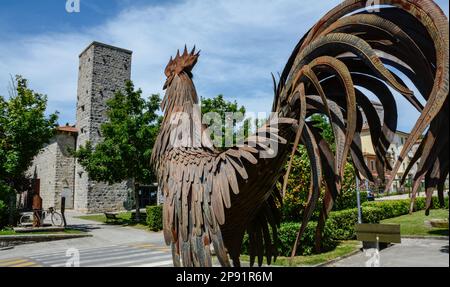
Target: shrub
[342,223]
[395,208]
[421,203]
[154,217]
[287,233]
[372,214]
[391,208]
[347,200]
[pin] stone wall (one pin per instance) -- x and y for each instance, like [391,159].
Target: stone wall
[103,71]
[44,168]
[55,168]
[65,168]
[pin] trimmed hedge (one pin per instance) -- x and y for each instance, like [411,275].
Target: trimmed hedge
[287,233]
[342,223]
[154,217]
[395,208]
[347,200]
[390,208]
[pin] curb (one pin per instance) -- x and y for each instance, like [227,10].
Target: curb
[6,248]
[25,230]
[425,237]
[337,259]
[32,238]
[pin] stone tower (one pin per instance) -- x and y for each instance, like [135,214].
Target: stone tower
[103,70]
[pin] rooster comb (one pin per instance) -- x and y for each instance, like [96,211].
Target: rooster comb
[180,63]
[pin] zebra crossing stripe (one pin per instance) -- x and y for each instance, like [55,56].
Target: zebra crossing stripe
[88,250]
[134,262]
[18,262]
[84,255]
[145,245]
[152,247]
[156,264]
[11,262]
[107,258]
[27,264]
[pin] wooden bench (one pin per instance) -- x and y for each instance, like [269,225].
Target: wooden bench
[378,233]
[111,217]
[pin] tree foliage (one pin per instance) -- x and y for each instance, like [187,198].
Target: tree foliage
[24,131]
[128,138]
[234,125]
[299,179]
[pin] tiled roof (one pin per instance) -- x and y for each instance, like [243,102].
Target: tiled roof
[68,129]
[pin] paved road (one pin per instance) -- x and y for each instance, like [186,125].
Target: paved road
[135,255]
[111,245]
[410,253]
[406,196]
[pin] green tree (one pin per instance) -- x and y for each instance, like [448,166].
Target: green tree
[230,125]
[300,177]
[321,122]
[24,131]
[128,138]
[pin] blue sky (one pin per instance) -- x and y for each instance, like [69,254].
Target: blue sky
[241,42]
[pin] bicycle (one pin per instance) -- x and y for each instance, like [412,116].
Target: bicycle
[56,217]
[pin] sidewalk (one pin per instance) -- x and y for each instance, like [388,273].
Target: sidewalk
[102,235]
[410,253]
[406,196]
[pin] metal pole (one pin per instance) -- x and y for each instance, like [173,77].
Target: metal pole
[63,210]
[358,201]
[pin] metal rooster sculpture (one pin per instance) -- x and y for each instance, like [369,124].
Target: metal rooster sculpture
[213,197]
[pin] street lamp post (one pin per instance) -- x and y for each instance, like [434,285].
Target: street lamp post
[358,201]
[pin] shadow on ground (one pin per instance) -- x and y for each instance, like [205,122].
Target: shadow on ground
[440,232]
[83,227]
[125,222]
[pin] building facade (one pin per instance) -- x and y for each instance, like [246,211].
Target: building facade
[54,167]
[394,150]
[103,70]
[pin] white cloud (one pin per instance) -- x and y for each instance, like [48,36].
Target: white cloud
[242,42]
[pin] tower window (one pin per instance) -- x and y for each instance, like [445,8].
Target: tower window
[82,108]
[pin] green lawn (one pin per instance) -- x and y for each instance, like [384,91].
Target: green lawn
[344,248]
[414,224]
[124,218]
[66,231]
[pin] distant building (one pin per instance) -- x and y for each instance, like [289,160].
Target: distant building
[394,149]
[103,70]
